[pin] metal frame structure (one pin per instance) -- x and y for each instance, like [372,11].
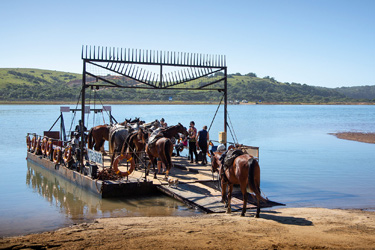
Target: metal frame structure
[129,63]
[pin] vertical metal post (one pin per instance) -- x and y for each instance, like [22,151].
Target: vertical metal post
[225,102]
[62,128]
[161,76]
[82,125]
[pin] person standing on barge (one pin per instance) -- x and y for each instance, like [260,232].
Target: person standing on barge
[202,143]
[192,142]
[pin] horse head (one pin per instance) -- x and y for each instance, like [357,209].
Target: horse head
[215,162]
[181,129]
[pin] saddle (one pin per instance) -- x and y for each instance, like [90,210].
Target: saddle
[228,157]
[157,134]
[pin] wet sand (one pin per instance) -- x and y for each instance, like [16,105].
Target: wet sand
[356,136]
[290,228]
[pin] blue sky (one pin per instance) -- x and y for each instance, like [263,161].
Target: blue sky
[328,43]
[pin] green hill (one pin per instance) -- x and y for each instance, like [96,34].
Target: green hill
[36,85]
[46,85]
[267,89]
[360,92]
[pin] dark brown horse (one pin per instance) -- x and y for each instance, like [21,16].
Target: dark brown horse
[97,136]
[117,140]
[137,143]
[161,149]
[244,171]
[174,130]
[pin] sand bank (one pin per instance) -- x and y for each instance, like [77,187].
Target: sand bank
[291,228]
[356,136]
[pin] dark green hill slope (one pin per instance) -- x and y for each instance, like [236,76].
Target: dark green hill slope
[267,89]
[360,92]
[47,85]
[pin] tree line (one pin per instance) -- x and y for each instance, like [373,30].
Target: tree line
[247,87]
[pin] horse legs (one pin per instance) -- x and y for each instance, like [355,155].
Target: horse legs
[152,161]
[147,170]
[223,192]
[230,189]
[113,158]
[153,166]
[244,196]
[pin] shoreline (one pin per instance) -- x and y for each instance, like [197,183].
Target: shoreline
[173,103]
[291,228]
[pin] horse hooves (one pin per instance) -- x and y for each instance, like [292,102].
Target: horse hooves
[242,214]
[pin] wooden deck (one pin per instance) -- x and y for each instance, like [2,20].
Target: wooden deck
[197,187]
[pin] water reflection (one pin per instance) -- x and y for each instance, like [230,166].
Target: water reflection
[79,204]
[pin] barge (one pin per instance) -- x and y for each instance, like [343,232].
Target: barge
[69,157]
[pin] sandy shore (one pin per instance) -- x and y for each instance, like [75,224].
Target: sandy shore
[356,136]
[291,228]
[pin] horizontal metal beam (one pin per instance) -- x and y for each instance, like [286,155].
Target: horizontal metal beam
[133,87]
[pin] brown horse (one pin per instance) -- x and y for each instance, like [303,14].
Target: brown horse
[161,149]
[174,130]
[244,171]
[97,136]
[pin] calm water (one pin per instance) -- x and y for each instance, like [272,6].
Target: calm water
[302,165]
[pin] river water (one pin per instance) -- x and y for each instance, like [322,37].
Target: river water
[302,165]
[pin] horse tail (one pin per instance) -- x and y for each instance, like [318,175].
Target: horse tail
[254,177]
[130,143]
[89,139]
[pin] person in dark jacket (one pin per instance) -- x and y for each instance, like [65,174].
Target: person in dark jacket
[192,142]
[202,143]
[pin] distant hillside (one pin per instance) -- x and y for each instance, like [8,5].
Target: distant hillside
[47,85]
[267,89]
[36,85]
[361,92]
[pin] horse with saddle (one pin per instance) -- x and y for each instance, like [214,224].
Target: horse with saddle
[237,167]
[133,137]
